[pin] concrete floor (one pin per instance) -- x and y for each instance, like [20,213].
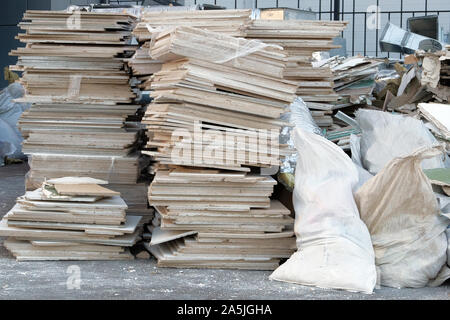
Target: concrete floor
[141,279]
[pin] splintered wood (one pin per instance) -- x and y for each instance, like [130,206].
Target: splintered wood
[225,95]
[70,219]
[76,78]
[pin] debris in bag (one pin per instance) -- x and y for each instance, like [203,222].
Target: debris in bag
[386,136]
[406,226]
[334,247]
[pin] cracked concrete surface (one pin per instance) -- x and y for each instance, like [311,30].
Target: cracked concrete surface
[141,279]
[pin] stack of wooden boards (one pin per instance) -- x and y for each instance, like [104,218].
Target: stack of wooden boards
[76,79]
[239,99]
[218,219]
[230,22]
[217,100]
[299,38]
[223,21]
[70,219]
[439,177]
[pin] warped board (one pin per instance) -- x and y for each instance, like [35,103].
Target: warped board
[103,217]
[127,240]
[84,189]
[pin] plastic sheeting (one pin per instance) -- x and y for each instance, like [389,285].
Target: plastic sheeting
[298,116]
[10,137]
[334,246]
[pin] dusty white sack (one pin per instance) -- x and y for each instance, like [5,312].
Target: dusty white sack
[334,247]
[386,136]
[404,219]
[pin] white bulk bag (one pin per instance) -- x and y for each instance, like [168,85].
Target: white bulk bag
[334,247]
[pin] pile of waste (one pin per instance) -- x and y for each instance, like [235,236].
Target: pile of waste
[382,220]
[385,212]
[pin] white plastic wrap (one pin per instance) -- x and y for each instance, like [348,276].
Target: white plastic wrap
[387,136]
[298,116]
[242,48]
[334,246]
[237,47]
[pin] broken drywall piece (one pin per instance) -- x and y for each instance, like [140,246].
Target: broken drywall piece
[439,176]
[439,115]
[431,68]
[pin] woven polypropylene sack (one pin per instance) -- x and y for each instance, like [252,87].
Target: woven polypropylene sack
[334,247]
[405,222]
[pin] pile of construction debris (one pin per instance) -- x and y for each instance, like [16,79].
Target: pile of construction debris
[219,86]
